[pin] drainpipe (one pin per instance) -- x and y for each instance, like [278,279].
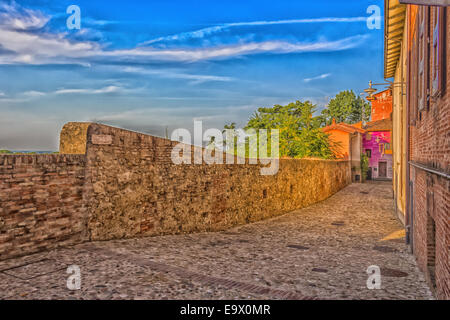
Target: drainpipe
[408,211]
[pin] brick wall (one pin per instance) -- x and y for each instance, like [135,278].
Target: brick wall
[41,203]
[382,106]
[137,190]
[125,185]
[430,146]
[431,247]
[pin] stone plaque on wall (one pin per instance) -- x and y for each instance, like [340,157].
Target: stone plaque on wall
[101,139]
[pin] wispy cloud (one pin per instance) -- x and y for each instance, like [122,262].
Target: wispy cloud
[29,95]
[51,48]
[221,52]
[322,76]
[13,16]
[34,93]
[2,94]
[171,74]
[222,27]
[108,89]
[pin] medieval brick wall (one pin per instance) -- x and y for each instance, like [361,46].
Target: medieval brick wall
[137,190]
[125,185]
[382,106]
[430,146]
[431,228]
[41,202]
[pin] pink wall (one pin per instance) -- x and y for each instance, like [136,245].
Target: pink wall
[379,144]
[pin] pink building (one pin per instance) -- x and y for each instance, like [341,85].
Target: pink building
[378,148]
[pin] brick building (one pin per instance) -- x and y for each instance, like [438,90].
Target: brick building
[381,105]
[417,46]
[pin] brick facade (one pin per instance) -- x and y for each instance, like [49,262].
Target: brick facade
[125,185]
[41,202]
[430,148]
[381,106]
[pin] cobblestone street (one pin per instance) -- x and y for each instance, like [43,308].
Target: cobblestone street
[322,252]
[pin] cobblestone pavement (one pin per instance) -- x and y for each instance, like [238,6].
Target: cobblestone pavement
[322,251]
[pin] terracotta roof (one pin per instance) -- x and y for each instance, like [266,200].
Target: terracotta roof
[343,127]
[379,125]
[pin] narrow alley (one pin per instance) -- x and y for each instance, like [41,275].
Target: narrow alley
[321,252]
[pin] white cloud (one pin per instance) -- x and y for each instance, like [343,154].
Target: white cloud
[221,52]
[108,89]
[2,94]
[28,95]
[214,29]
[322,76]
[33,93]
[194,78]
[15,17]
[51,48]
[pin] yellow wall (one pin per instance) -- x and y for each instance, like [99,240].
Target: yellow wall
[343,139]
[399,130]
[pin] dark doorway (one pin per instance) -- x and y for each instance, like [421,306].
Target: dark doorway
[382,169]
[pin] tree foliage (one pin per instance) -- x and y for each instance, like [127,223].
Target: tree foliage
[300,132]
[346,107]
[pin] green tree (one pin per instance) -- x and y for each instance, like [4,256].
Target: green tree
[346,107]
[300,132]
[364,166]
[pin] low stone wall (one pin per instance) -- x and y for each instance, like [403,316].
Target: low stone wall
[138,191]
[41,202]
[125,185]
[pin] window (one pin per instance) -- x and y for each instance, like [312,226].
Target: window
[438,59]
[424,60]
[369,153]
[421,42]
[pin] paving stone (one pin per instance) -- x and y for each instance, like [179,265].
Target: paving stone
[280,258]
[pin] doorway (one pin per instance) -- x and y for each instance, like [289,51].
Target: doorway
[382,169]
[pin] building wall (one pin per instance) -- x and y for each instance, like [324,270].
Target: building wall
[41,202]
[382,106]
[125,185]
[430,147]
[431,229]
[399,127]
[356,150]
[376,142]
[138,191]
[343,139]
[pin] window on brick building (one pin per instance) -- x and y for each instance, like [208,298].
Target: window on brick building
[421,53]
[415,70]
[438,50]
[424,58]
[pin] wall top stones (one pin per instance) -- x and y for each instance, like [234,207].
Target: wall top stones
[73,138]
[36,159]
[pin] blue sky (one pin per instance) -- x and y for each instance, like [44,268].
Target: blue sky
[147,65]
